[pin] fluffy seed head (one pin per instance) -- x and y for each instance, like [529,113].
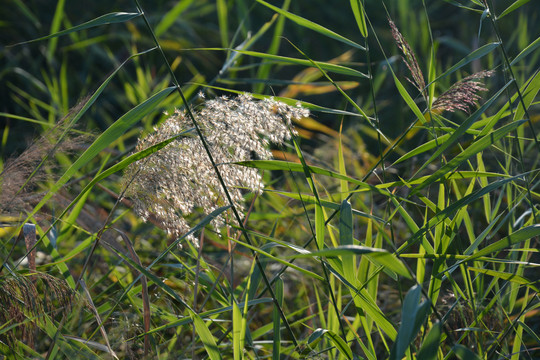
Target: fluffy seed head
[462,94]
[179,179]
[409,58]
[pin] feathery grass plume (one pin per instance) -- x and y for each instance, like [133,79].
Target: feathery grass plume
[409,59]
[179,179]
[30,297]
[463,94]
[22,174]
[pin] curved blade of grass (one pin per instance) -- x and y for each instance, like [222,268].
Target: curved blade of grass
[463,353]
[460,131]
[431,344]
[379,256]
[170,17]
[207,314]
[237,331]
[409,100]
[206,337]
[111,18]
[413,315]
[311,25]
[338,69]
[340,251]
[473,149]
[516,5]
[507,277]
[288,101]
[358,11]
[338,342]
[144,292]
[309,199]
[296,167]
[529,49]
[99,322]
[281,261]
[428,145]
[264,70]
[346,239]
[276,320]
[476,54]
[529,94]
[512,239]
[365,304]
[530,331]
[451,176]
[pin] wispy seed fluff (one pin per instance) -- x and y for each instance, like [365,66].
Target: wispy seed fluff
[175,181]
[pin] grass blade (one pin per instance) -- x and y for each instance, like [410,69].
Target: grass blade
[311,25]
[473,149]
[111,18]
[516,5]
[359,16]
[476,54]
[462,129]
[413,315]
[430,346]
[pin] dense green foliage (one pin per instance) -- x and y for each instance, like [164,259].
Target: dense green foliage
[400,220]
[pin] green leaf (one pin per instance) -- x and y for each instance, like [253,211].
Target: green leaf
[463,353]
[285,100]
[346,239]
[507,277]
[311,25]
[516,5]
[408,99]
[206,337]
[428,145]
[171,16]
[431,344]
[512,239]
[327,204]
[291,166]
[338,342]
[413,315]
[340,251]
[338,69]
[529,94]
[379,256]
[223,22]
[237,331]
[476,54]
[530,48]
[390,262]
[473,149]
[276,320]
[111,18]
[359,16]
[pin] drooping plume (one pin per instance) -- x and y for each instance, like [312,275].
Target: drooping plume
[179,179]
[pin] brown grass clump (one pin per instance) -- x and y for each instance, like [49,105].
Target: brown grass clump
[26,300]
[21,175]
